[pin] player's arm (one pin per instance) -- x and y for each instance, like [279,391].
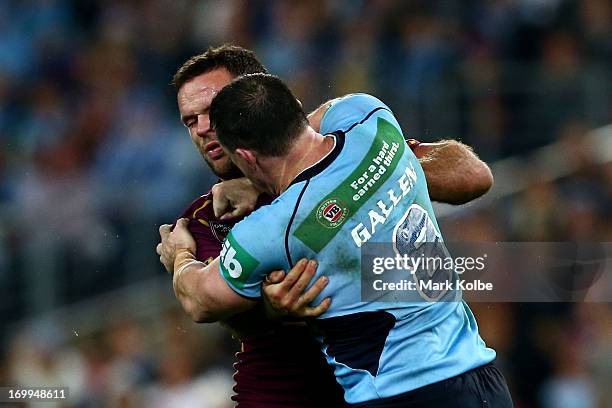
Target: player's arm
[200,289]
[454,173]
[207,297]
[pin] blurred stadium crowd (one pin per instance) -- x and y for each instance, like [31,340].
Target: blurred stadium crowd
[93,158]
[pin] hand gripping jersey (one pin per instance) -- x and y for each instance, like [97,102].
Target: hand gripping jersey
[369,188]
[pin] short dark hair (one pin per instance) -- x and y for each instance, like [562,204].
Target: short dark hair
[237,60]
[258,112]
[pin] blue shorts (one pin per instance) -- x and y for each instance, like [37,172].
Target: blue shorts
[482,387]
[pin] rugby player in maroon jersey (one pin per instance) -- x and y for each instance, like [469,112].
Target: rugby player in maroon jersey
[280,364]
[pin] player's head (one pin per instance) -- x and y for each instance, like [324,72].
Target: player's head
[257,113]
[197,82]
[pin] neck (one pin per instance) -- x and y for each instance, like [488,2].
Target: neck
[308,149]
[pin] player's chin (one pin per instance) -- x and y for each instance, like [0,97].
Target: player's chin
[224,168]
[217,163]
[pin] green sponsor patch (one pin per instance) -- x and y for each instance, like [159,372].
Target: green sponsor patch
[236,263]
[327,217]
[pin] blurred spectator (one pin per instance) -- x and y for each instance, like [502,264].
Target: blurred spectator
[180,387]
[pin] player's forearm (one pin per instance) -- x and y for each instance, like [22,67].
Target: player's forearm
[454,173]
[191,288]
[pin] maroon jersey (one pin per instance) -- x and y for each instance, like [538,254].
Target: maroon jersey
[280,364]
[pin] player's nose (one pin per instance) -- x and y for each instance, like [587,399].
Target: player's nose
[203,127]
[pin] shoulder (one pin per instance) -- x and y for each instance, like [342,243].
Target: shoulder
[262,233]
[269,219]
[197,205]
[358,102]
[350,110]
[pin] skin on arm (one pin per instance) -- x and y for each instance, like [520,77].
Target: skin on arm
[454,173]
[200,289]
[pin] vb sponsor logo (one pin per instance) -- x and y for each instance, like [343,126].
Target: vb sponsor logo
[331,213]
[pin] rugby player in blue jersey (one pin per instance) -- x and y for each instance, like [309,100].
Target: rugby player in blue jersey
[399,354]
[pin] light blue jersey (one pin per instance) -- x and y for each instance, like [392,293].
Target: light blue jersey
[369,188]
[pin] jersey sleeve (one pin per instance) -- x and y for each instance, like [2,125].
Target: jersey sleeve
[350,110]
[252,250]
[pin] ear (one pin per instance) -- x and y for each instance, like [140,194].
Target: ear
[248,156]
